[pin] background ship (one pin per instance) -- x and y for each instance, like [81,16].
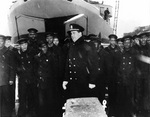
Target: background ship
[56,15]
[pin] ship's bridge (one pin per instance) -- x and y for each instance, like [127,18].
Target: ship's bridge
[102,7]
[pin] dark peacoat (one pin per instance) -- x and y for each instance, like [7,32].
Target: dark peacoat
[7,73]
[25,65]
[127,75]
[143,83]
[105,68]
[27,80]
[45,70]
[6,67]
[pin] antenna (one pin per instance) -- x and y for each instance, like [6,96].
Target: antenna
[116,17]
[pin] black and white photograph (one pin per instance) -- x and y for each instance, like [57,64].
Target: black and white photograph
[75,58]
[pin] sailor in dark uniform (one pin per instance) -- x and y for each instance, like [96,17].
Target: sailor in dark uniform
[46,81]
[104,70]
[113,43]
[136,42]
[126,80]
[7,76]
[82,68]
[27,84]
[120,44]
[32,40]
[12,50]
[106,14]
[32,33]
[143,99]
[113,51]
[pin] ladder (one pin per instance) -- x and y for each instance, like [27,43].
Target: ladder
[116,17]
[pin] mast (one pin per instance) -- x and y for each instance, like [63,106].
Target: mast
[116,17]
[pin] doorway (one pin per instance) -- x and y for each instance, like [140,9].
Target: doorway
[57,25]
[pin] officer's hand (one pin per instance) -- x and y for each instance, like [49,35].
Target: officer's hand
[91,86]
[64,85]
[11,82]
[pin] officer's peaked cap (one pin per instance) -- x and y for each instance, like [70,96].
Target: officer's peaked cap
[76,27]
[32,30]
[112,36]
[22,40]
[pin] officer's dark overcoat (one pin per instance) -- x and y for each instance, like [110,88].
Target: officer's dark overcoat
[82,68]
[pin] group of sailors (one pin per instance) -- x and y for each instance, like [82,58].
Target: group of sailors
[129,84]
[39,68]
[50,73]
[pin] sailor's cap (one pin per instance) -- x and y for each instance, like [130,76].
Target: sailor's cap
[32,30]
[119,40]
[136,36]
[42,43]
[93,37]
[8,37]
[145,34]
[48,34]
[22,40]
[2,37]
[112,36]
[128,37]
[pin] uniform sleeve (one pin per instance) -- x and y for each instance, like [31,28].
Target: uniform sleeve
[12,66]
[36,65]
[92,63]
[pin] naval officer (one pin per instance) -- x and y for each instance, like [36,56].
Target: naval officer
[82,68]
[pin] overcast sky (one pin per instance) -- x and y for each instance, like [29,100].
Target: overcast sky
[4,8]
[132,13]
